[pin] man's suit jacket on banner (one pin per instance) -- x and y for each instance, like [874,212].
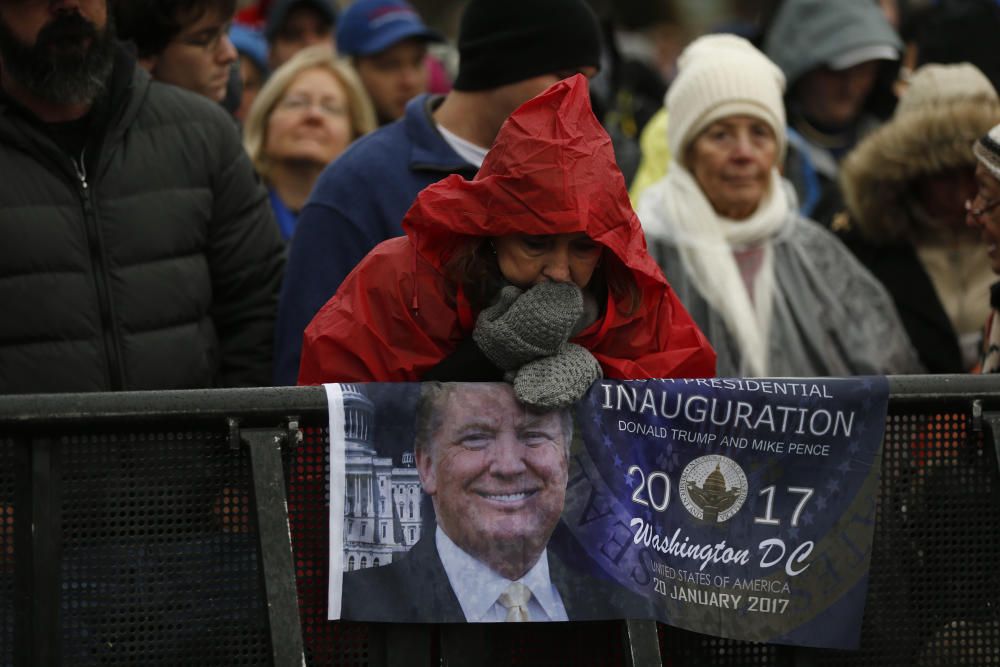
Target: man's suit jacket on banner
[415,589]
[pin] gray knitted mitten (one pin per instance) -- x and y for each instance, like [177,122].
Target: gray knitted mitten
[559,380]
[521,326]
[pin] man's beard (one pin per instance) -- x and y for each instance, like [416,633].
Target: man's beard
[60,68]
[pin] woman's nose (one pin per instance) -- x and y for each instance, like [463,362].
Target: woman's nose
[743,147]
[313,113]
[557,268]
[971,219]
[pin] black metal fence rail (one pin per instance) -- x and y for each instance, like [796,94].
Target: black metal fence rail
[150,528]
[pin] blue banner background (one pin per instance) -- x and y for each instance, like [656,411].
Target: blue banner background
[822,604]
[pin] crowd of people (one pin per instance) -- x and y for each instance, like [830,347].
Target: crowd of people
[202,194]
[313,194]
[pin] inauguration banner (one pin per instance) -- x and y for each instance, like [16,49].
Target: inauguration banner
[740,508]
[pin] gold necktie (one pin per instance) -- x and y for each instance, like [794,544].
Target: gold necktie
[515,601]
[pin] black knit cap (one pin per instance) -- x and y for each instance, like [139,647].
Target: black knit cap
[506,41]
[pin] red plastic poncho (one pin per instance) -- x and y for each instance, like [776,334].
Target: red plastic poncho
[552,170]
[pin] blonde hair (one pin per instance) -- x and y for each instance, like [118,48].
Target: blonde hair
[359,105]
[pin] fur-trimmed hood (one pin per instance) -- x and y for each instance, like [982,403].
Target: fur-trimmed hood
[876,177]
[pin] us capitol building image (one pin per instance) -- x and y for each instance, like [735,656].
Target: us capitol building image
[382,499]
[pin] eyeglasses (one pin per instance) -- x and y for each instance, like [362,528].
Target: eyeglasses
[209,40]
[982,210]
[300,103]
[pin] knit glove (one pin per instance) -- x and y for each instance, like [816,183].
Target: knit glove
[558,380]
[522,326]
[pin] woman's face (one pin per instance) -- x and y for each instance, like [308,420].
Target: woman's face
[311,122]
[985,214]
[527,259]
[943,195]
[732,160]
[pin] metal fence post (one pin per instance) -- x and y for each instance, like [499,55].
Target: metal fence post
[38,553]
[642,644]
[992,420]
[274,545]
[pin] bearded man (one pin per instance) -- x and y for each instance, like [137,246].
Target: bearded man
[139,250]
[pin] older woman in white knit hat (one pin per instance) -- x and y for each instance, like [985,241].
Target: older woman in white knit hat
[774,293]
[984,212]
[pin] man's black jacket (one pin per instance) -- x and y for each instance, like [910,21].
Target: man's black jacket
[150,261]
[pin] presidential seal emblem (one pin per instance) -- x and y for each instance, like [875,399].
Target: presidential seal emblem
[713,488]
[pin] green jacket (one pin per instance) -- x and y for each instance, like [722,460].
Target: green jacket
[655,156]
[151,263]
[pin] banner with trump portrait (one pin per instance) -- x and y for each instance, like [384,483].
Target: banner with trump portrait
[740,508]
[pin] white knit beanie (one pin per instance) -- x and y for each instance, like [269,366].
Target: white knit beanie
[719,76]
[987,151]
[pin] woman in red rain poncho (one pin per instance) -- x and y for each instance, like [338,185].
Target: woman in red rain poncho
[549,205]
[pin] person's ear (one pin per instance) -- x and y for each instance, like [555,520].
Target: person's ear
[425,468]
[148,63]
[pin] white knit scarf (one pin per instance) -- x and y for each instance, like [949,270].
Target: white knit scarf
[677,208]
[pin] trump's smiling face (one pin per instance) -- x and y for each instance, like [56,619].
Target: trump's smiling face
[497,475]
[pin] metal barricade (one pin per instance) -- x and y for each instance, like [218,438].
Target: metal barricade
[150,528]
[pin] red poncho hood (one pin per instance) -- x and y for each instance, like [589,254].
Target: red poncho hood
[551,170]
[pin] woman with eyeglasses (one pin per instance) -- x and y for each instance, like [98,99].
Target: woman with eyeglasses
[304,117]
[908,188]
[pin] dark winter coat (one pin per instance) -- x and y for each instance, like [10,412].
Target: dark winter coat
[152,263]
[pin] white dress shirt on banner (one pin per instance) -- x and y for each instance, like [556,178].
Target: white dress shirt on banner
[478,588]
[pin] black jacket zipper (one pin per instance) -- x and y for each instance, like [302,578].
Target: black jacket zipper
[97,259]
